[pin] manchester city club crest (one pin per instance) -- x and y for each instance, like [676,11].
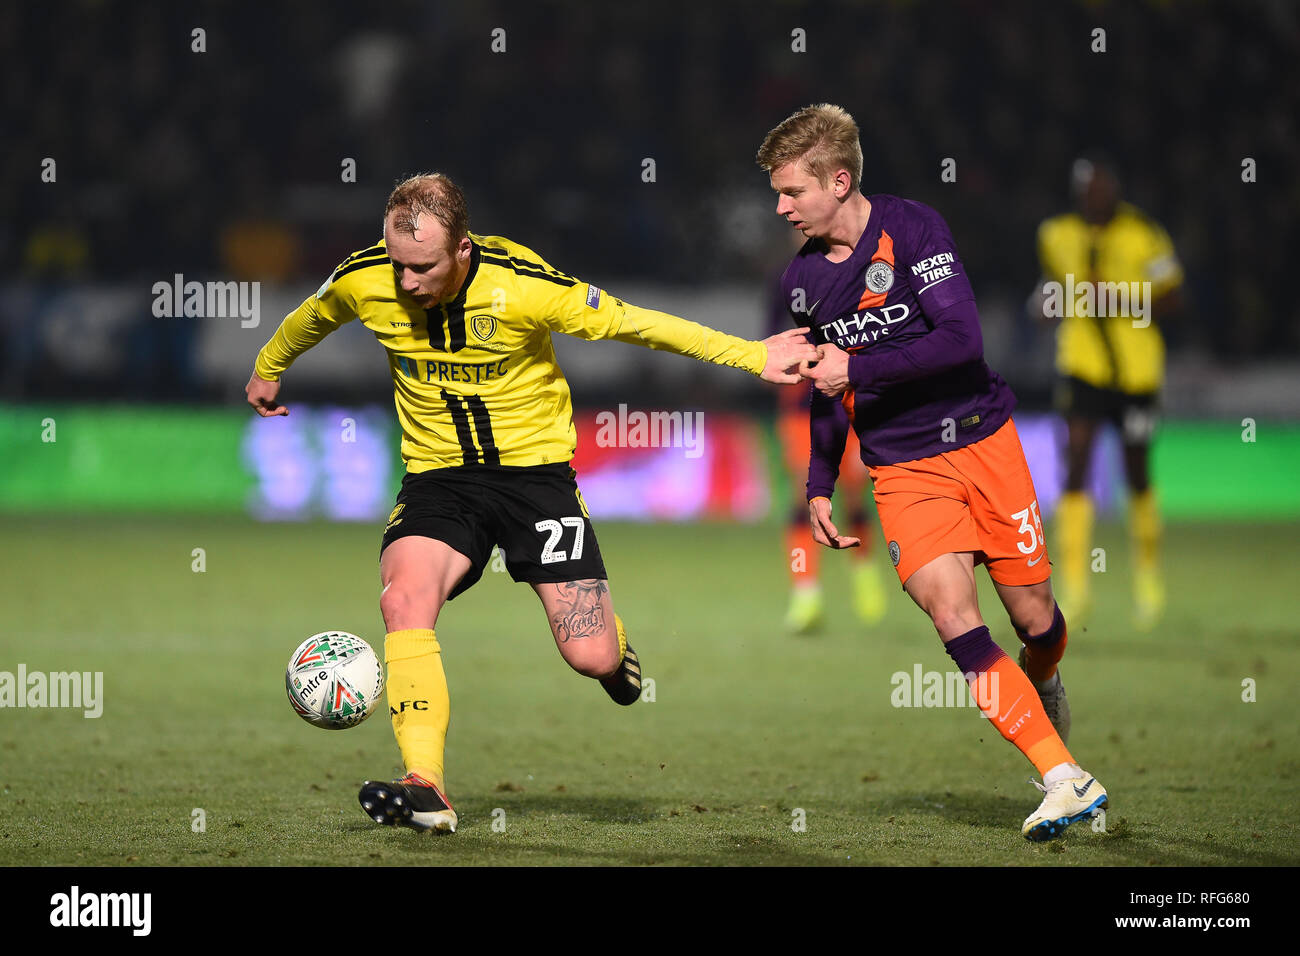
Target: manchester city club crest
[483,326]
[880,277]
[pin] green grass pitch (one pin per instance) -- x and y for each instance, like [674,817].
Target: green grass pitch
[748,725]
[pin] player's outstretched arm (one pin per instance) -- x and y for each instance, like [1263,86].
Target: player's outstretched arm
[301,329]
[589,313]
[823,529]
[774,359]
[261,395]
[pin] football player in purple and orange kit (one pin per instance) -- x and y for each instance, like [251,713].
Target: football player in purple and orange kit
[902,366]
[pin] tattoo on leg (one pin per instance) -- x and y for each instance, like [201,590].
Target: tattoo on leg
[582,611]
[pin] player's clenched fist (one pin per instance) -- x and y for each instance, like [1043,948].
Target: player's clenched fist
[785,352]
[830,375]
[261,395]
[824,532]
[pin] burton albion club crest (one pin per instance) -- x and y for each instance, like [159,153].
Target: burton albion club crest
[880,277]
[483,326]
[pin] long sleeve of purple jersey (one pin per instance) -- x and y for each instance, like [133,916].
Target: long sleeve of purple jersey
[830,430]
[954,339]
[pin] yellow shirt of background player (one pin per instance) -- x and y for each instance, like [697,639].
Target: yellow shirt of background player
[1110,351]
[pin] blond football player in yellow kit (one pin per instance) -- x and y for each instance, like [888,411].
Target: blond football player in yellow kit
[487,436]
[1115,273]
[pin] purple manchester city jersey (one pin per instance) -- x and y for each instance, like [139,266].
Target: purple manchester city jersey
[903,309]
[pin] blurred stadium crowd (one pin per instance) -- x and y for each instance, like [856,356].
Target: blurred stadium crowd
[226,164]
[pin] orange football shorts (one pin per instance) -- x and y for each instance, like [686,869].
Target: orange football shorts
[979,498]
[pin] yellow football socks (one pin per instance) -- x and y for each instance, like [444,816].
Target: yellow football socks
[1074,530]
[418,701]
[1144,520]
[622,639]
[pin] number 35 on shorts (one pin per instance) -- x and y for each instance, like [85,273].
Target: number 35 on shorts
[555,529]
[1033,528]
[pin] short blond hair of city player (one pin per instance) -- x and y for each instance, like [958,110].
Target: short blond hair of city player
[823,136]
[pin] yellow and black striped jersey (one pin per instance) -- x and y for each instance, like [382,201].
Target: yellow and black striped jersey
[1109,350]
[475,379]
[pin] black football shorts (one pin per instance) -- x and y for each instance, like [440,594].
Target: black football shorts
[535,514]
[1135,415]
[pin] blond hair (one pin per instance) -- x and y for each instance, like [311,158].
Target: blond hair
[431,194]
[824,137]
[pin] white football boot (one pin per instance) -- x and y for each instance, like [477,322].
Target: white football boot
[1064,802]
